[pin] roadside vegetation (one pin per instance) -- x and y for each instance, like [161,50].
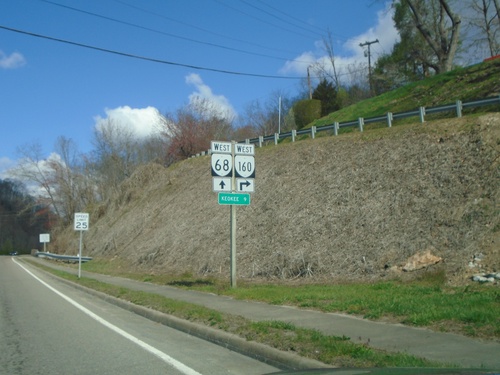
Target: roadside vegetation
[428,301]
[332,350]
[465,84]
[471,310]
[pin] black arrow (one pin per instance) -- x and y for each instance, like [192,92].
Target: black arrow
[222,184]
[246,183]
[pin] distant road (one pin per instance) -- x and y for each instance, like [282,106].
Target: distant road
[47,327]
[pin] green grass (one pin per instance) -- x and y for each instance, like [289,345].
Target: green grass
[466,84]
[332,350]
[473,310]
[328,349]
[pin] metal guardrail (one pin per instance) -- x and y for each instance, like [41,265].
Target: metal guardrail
[64,258]
[388,118]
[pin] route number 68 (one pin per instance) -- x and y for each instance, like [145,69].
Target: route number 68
[222,165]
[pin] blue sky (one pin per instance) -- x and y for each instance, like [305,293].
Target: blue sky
[50,89]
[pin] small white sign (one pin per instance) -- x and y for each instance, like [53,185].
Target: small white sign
[44,237]
[81,221]
[222,184]
[245,185]
[244,166]
[220,147]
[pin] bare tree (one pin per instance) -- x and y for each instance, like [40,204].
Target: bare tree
[64,170]
[23,218]
[255,117]
[191,128]
[497,8]
[484,25]
[114,156]
[359,88]
[265,117]
[56,180]
[332,73]
[73,180]
[34,170]
[440,27]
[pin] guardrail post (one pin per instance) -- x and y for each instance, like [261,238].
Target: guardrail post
[276,138]
[361,123]
[459,108]
[261,140]
[389,119]
[422,114]
[313,131]
[294,134]
[247,141]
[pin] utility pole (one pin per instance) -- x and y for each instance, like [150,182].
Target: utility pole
[368,44]
[309,83]
[279,115]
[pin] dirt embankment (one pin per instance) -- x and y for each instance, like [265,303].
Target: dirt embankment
[346,207]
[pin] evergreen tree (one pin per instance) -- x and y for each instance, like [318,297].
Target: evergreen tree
[326,93]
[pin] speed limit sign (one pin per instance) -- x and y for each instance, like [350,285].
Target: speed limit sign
[222,165]
[81,221]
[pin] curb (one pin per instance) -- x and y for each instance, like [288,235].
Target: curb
[263,353]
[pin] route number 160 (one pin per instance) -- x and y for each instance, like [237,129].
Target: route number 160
[244,166]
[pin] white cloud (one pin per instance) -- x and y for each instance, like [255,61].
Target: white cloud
[25,169]
[13,61]
[219,103]
[353,54]
[5,165]
[299,64]
[384,31]
[142,122]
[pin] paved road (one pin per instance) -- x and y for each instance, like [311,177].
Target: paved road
[48,327]
[442,347]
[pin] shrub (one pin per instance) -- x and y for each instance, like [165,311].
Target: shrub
[306,111]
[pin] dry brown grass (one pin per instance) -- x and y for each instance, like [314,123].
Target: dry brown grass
[332,208]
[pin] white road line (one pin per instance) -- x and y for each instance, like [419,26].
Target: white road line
[166,358]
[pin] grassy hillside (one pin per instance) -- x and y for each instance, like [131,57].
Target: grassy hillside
[335,208]
[466,84]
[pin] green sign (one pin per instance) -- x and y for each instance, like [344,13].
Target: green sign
[234,198]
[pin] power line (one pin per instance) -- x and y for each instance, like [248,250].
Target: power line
[317,31]
[200,28]
[260,20]
[298,20]
[163,33]
[278,18]
[150,59]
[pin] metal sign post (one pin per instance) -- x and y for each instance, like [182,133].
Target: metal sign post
[81,223]
[233,171]
[80,255]
[232,218]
